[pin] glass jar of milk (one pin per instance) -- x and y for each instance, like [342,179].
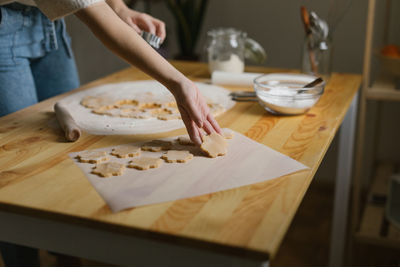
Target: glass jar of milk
[227,49]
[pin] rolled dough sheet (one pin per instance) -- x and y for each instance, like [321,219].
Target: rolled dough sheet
[247,162]
[149,89]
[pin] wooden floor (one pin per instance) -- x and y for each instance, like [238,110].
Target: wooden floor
[306,243]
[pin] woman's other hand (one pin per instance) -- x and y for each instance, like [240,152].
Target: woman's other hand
[137,20]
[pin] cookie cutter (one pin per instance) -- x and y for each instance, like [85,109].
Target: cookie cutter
[151,39]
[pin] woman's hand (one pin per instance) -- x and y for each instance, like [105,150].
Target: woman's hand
[137,20]
[194,111]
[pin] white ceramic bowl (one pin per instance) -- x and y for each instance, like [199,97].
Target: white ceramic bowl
[284,93]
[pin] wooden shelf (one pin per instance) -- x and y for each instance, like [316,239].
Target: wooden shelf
[383,89]
[374,228]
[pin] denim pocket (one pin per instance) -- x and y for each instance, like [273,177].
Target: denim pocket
[11,21]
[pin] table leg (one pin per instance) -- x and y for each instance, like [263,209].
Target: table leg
[342,187]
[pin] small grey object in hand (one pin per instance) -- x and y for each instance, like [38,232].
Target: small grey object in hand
[152,39]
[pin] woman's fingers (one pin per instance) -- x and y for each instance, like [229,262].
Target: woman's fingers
[134,26]
[146,23]
[208,128]
[191,127]
[160,29]
[197,136]
[200,134]
[210,125]
[199,109]
[214,123]
[196,114]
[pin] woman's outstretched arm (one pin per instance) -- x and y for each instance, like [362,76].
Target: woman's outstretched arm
[124,41]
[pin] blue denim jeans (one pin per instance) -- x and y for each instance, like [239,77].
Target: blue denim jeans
[36,60]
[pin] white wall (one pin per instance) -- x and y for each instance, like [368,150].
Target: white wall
[276,25]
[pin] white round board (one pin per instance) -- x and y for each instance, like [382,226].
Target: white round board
[106,125]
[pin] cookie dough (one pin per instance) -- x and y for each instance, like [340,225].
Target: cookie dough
[168,117]
[126,151]
[163,111]
[157,145]
[134,113]
[127,103]
[180,156]
[143,106]
[145,163]
[127,106]
[108,169]
[149,105]
[184,141]
[92,156]
[214,145]
[114,112]
[97,102]
[172,104]
[228,134]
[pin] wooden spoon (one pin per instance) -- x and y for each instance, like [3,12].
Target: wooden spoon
[305,17]
[311,84]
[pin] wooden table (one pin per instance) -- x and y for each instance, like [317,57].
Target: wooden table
[47,202]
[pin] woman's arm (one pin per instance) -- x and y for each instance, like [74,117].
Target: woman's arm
[125,42]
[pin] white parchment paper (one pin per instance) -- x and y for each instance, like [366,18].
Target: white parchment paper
[247,162]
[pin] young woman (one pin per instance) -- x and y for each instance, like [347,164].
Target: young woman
[36,63]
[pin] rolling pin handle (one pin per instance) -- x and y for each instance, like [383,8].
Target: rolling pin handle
[67,123]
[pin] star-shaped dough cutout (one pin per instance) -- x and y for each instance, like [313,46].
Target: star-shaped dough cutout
[109,169]
[180,156]
[145,163]
[214,145]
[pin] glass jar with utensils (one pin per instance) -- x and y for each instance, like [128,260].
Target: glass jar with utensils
[317,46]
[317,56]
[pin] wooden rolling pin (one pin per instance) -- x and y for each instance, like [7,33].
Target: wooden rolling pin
[67,123]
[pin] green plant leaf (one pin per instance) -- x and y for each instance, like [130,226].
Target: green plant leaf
[189,16]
